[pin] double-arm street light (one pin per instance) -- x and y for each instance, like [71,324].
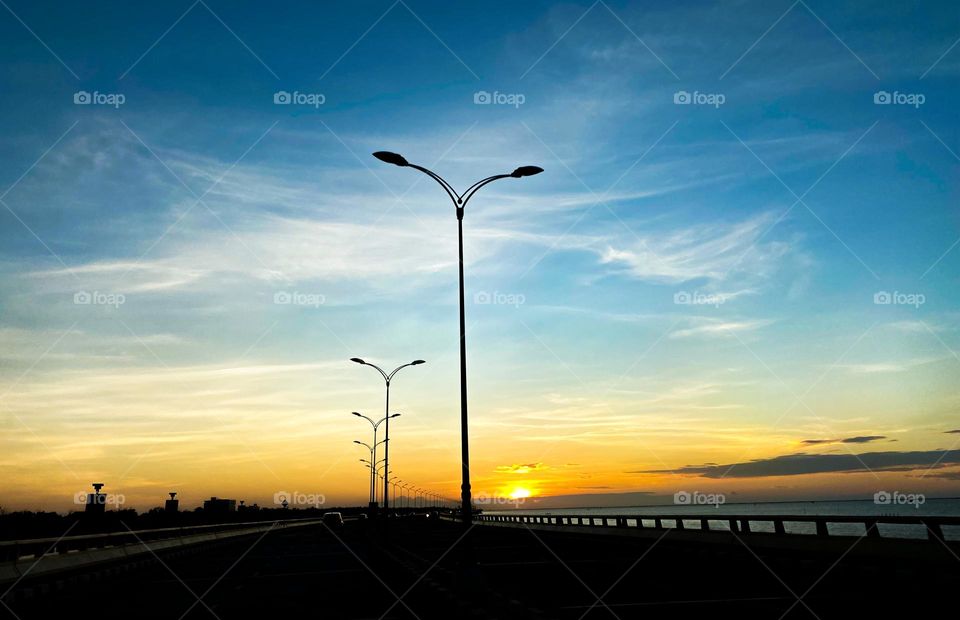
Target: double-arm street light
[373,450]
[386,449]
[373,456]
[368,465]
[459,202]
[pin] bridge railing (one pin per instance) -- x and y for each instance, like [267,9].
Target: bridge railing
[11,550]
[741,524]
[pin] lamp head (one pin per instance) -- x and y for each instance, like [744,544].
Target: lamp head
[391,158]
[357,360]
[417,362]
[526,171]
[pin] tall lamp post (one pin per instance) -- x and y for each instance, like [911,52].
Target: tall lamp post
[386,449]
[373,452]
[459,202]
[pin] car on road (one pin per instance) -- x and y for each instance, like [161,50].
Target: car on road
[333,519]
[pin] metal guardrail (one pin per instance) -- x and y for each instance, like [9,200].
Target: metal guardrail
[735,523]
[15,549]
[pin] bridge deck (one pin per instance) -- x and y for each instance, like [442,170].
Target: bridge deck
[518,573]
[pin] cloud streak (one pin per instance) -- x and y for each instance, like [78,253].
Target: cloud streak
[803,464]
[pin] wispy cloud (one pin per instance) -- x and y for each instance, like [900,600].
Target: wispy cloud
[717,327]
[709,251]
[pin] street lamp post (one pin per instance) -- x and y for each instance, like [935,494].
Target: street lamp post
[368,465]
[395,484]
[381,473]
[459,202]
[386,449]
[373,455]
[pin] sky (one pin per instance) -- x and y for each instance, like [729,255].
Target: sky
[737,273]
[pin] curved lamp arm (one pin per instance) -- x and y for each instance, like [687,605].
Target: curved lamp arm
[360,415]
[454,196]
[459,200]
[473,189]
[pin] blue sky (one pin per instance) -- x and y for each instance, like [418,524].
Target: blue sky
[786,207]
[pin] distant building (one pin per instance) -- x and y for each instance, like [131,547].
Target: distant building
[217,505]
[172,504]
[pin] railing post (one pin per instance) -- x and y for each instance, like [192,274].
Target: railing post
[934,531]
[733,526]
[657,524]
[705,525]
[639,522]
[745,526]
[873,528]
[778,526]
[679,523]
[822,528]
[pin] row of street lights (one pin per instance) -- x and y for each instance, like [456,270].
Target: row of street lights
[459,202]
[420,496]
[415,497]
[373,463]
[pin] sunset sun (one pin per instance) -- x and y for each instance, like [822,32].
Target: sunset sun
[520,493]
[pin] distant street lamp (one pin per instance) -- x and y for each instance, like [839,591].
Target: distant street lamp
[373,457]
[369,466]
[459,202]
[395,484]
[406,487]
[386,449]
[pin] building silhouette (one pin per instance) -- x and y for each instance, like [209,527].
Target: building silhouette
[218,505]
